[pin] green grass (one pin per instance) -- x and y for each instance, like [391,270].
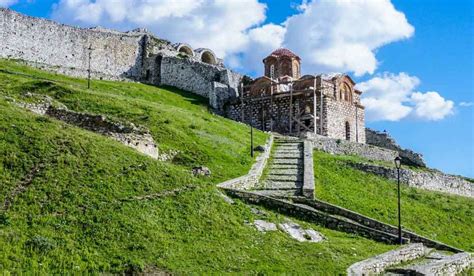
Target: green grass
[75,195]
[439,216]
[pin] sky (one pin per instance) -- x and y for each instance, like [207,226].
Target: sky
[412,59]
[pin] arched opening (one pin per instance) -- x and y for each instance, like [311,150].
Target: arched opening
[348,131]
[208,57]
[186,50]
[272,71]
[345,93]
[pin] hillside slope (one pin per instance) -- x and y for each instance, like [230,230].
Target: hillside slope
[73,200]
[443,217]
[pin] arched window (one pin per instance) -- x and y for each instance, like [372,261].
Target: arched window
[348,131]
[345,93]
[272,71]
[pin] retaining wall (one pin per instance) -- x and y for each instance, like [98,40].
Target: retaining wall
[312,215]
[343,147]
[379,263]
[372,223]
[427,180]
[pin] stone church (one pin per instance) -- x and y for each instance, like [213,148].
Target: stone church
[284,101]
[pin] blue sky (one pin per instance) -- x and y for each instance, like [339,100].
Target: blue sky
[429,49]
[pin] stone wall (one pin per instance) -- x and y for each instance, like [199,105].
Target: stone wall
[310,214]
[216,83]
[251,179]
[336,113]
[384,140]
[372,223]
[427,180]
[343,147]
[451,265]
[379,263]
[308,171]
[135,55]
[115,55]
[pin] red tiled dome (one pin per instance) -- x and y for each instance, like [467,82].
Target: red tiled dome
[283,52]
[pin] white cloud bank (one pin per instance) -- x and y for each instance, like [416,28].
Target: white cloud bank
[221,25]
[391,97]
[7,3]
[329,35]
[341,35]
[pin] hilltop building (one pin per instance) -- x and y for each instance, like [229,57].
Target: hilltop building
[284,101]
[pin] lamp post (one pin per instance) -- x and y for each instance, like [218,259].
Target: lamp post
[89,69]
[251,139]
[398,164]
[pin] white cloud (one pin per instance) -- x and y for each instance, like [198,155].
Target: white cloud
[390,97]
[7,3]
[341,35]
[221,25]
[329,35]
[466,104]
[431,106]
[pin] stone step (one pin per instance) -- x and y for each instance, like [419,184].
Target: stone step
[278,150]
[291,161]
[282,185]
[279,177]
[292,171]
[289,146]
[287,155]
[285,167]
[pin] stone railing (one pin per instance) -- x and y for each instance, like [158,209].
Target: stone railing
[379,263]
[343,147]
[427,180]
[251,179]
[312,215]
[372,223]
[308,174]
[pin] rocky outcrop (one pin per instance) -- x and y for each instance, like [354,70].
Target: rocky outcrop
[427,179]
[384,140]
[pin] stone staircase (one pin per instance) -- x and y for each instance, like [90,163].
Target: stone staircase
[285,169]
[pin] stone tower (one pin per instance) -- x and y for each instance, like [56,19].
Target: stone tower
[282,63]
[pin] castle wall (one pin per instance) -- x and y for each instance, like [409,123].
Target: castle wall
[216,83]
[115,55]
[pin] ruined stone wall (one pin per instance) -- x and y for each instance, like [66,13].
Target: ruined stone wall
[115,55]
[384,140]
[216,83]
[428,180]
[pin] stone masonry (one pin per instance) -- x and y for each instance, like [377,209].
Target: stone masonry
[135,55]
[384,140]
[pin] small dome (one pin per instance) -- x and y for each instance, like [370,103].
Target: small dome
[283,52]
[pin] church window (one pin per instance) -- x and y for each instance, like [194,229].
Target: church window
[348,131]
[272,71]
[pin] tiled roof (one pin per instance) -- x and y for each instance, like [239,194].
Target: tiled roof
[283,52]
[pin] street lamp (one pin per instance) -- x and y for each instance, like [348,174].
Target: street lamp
[398,164]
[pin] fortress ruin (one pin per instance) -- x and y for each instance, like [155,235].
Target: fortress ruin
[282,100]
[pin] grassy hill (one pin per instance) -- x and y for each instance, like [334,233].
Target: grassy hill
[439,216]
[79,201]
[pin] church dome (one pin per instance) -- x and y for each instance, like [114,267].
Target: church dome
[283,52]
